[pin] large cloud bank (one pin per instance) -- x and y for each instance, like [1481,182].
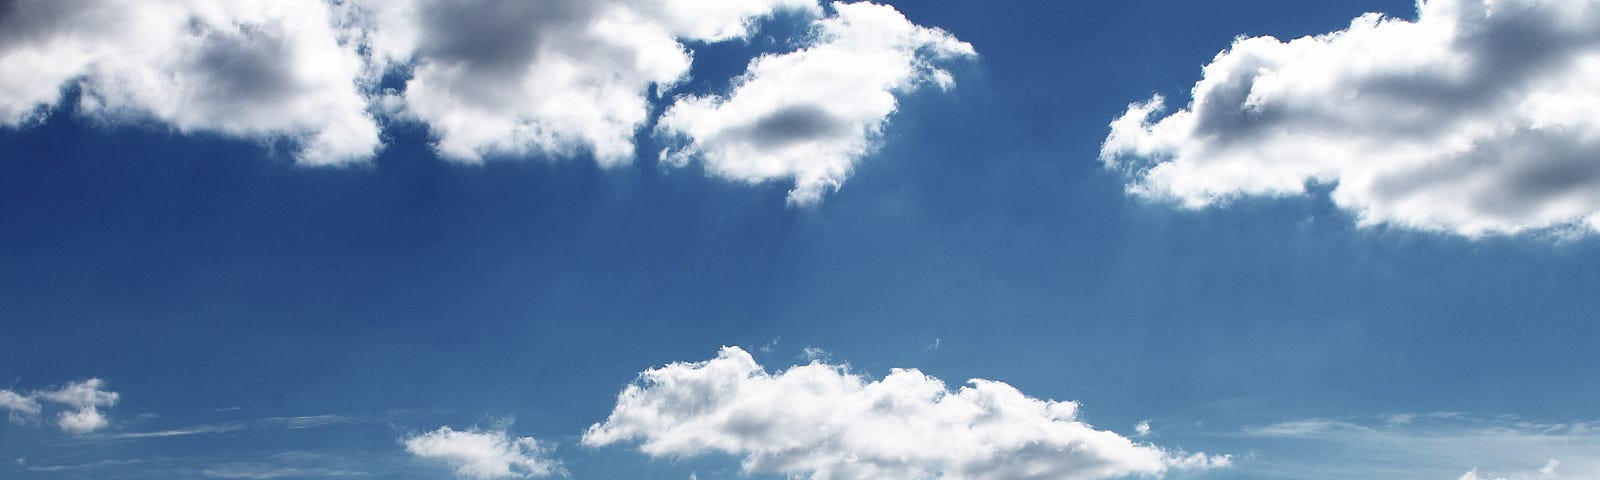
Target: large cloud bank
[823,422]
[488,78]
[1476,118]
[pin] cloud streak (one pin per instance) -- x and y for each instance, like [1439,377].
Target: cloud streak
[1431,446]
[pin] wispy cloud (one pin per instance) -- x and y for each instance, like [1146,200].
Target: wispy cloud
[292,423]
[1431,445]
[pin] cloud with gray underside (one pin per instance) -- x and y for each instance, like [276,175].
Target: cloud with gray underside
[1476,118]
[488,79]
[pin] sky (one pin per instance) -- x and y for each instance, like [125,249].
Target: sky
[765,239]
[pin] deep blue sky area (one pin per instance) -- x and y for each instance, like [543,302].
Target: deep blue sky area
[210,279]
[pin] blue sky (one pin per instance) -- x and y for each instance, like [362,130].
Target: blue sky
[315,276]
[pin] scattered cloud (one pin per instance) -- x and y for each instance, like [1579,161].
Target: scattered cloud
[84,401]
[1432,446]
[557,78]
[19,408]
[822,421]
[483,454]
[1142,428]
[1476,118]
[810,114]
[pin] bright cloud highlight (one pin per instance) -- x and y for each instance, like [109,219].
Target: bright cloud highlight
[823,422]
[1477,118]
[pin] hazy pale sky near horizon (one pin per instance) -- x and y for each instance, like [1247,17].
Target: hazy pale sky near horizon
[482,239]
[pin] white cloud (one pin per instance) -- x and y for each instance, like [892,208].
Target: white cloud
[85,399]
[1142,428]
[552,77]
[483,454]
[823,422]
[809,115]
[1430,446]
[19,408]
[246,68]
[1477,118]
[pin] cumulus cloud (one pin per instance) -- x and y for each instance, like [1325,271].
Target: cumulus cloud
[487,78]
[1476,118]
[553,77]
[824,422]
[85,399]
[249,68]
[483,454]
[82,399]
[809,115]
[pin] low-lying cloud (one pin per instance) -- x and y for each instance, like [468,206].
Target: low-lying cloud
[823,422]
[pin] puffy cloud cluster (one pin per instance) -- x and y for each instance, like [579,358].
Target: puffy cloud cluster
[491,77]
[488,78]
[823,422]
[82,399]
[808,115]
[1476,118]
[483,454]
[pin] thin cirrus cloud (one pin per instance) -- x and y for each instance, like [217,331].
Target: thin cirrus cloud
[487,79]
[1432,445]
[1474,119]
[824,422]
[83,402]
[483,454]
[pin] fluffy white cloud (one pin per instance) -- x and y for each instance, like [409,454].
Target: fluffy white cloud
[85,399]
[488,78]
[552,77]
[823,422]
[1476,118]
[483,454]
[248,68]
[809,115]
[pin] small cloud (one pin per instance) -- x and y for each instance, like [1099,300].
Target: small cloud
[1142,429]
[84,401]
[19,408]
[932,346]
[815,354]
[483,454]
[1549,469]
[809,115]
